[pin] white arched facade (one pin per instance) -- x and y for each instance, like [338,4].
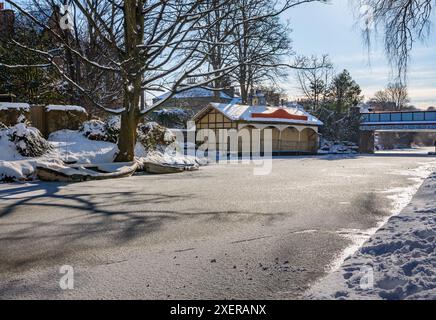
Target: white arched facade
[280,127]
[288,137]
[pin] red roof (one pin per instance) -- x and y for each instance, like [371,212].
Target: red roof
[279,114]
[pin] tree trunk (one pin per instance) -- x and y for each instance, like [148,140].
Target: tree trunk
[127,136]
[243,86]
[133,37]
[244,94]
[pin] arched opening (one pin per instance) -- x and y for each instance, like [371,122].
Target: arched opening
[275,143]
[245,140]
[290,140]
[309,140]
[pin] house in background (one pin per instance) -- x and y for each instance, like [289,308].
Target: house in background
[257,98]
[294,131]
[195,99]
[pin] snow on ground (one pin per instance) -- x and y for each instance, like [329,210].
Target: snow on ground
[338,147]
[20,170]
[399,260]
[418,150]
[400,198]
[73,147]
[8,149]
[15,143]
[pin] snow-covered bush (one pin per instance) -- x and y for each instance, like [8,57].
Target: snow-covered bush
[113,127]
[102,131]
[22,119]
[151,135]
[16,144]
[28,140]
[155,137]
[94,130]
[172,118]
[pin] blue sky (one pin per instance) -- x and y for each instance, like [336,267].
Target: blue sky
[331,29]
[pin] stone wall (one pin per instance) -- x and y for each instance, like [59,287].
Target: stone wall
[10,117]
[366,142]
[45,119]
[58,120]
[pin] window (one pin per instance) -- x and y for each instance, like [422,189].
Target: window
[385,117]
[396,117]
[408,116]
[418,116]
[374,117]
[216,120]
[430,115]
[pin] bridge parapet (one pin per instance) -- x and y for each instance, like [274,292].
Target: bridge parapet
[402,117]
[399,121]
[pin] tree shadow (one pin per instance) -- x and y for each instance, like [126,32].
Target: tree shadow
[43,224]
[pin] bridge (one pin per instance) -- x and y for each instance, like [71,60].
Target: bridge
[393,121]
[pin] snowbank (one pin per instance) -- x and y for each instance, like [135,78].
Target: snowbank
[22,170]
[16,170]
[21,141]
[20,146]
[397,262]
[73,147]
[54,107]
[69,146]
[8,149]
[338,147]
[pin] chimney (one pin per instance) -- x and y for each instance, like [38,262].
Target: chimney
[7,18]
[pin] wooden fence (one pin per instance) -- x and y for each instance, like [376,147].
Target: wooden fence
[38,118]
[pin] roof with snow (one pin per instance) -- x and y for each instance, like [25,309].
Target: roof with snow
[293,113]
[200,92]
[14,106]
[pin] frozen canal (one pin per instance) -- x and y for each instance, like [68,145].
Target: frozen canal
[221,232]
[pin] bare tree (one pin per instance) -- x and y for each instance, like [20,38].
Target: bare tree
[394,96]
[314,80]
[143,45]
[402,21]
[266,41]
[219,57]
